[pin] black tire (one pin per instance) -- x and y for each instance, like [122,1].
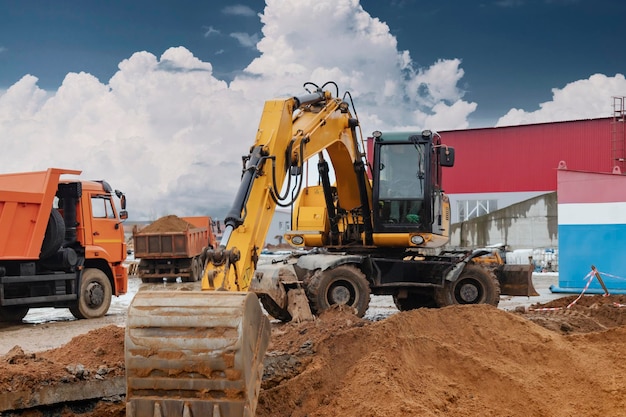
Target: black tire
[13,314]
[414,301]
[475,285]
[55,234]
[274,310]
[342,285]
[196,269]
[95,295]
[193,272]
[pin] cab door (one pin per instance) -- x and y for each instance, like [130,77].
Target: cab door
[107,234]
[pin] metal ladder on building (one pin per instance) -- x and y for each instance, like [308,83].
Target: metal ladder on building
[618,134]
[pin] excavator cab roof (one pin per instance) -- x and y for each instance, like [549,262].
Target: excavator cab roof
[401,136]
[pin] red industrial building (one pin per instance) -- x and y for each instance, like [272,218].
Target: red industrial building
[499,166]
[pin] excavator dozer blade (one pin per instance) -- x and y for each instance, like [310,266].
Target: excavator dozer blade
[516,280]
[194,353]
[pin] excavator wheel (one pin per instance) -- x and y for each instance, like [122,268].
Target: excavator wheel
[475,285]
[342,285]
[194,353]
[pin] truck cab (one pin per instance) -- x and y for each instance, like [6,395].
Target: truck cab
[62,244]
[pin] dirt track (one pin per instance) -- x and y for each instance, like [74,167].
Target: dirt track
[457,361]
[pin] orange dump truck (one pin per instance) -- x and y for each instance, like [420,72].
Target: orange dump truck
[61,244]
[173,247]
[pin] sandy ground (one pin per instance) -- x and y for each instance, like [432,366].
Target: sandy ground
[546,356]
[48,328]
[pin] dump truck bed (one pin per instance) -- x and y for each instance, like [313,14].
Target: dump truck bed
[173,244]
[23,229]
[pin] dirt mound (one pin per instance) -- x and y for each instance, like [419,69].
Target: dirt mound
[97,354]
[454,362]
[574,314]
[171,223]
[457,361]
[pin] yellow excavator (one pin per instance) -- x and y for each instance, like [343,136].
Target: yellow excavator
[377,227]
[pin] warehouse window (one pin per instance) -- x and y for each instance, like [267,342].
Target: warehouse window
[468,209]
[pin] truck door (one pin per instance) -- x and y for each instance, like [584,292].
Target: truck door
[106,229]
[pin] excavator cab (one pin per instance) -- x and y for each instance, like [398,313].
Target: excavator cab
[406,178]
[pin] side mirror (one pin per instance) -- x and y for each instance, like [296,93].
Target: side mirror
[123,215]
[446,156]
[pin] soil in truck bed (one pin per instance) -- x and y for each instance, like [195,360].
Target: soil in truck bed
[170,223]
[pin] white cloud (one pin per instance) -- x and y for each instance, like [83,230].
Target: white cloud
[358,52]
[211,31]
[171,134]
[245,39]
[582,99]
[239,10]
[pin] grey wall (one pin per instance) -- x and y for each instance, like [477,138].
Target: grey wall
[529,224]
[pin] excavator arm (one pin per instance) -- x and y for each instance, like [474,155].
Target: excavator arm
[291,131]
[199,351]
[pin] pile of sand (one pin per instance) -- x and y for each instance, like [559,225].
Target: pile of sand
[170,223]
[97,354]
[457,361]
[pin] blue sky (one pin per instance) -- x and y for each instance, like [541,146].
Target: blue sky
[513,52]
[162,98]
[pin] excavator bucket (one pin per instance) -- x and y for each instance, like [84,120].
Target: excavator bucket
[194,353]
[516,280]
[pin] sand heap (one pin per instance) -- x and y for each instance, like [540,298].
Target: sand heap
[97,354]
[170,223]
[457,361]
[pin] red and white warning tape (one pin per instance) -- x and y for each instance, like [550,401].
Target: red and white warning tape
[588,277]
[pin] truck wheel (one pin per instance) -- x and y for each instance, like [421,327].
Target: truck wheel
[55,234]
[95,295]
[196,270]
[13,314]
[475,285]
[343,285]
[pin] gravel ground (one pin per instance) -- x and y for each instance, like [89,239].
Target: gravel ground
[47,328]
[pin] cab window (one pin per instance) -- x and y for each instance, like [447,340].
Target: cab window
[102,207]
[402,180]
